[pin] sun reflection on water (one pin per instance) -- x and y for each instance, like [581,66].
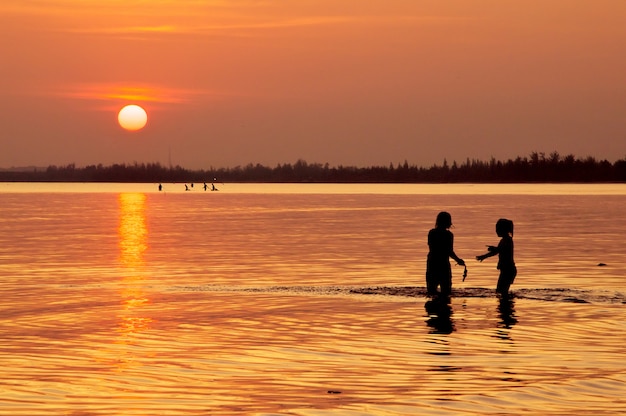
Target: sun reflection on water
[132,229]
[133,234]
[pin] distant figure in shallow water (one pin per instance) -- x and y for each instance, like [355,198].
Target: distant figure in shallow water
[504,250]
[441,245]
[160,187]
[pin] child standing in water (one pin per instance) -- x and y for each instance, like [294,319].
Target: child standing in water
[441,245]
[506,264]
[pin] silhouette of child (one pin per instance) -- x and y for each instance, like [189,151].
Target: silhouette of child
[504,250]
[441,245]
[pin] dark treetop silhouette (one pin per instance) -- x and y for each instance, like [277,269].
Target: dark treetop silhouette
[536,168]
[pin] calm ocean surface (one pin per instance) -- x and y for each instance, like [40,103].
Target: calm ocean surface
[118,299]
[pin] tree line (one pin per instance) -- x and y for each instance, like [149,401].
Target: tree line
[537,167]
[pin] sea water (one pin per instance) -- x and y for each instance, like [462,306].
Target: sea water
[258,299]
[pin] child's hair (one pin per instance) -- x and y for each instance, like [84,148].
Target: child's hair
[504,226]
[444,219]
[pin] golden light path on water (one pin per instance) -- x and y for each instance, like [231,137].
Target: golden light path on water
[133,234]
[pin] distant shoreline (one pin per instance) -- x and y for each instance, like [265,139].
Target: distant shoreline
[537,168]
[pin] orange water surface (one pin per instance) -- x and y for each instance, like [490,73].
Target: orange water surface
[118,299]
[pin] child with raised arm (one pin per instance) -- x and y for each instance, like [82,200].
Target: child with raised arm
[441,245]
[504,250]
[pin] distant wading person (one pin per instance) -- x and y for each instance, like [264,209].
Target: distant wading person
[504,250]
[441,245]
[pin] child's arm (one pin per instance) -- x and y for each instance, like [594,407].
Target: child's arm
[457,259]
[492,252]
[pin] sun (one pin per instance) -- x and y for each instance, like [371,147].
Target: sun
[132,117]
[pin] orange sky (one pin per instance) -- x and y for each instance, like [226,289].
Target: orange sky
[348,82]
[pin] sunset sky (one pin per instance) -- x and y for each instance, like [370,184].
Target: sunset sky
[344,82]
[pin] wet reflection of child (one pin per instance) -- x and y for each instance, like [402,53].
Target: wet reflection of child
[504,250]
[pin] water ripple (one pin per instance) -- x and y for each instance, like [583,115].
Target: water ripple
[546,295]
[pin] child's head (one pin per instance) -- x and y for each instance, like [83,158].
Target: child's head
[504,227]
[444,220]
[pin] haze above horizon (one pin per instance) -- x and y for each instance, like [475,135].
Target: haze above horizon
[339,82]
